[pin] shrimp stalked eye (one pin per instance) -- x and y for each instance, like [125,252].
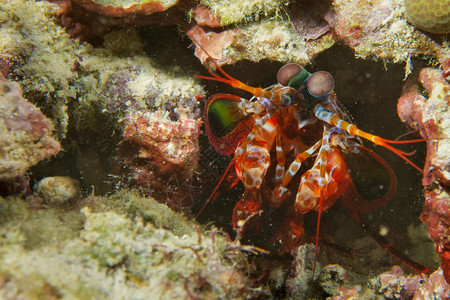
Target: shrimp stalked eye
[320,85]
[292,75]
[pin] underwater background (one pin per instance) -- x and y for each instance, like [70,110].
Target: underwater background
[105,162]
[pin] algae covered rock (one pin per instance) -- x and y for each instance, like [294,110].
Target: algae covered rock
[236,11]
[25,133]
[38,52]
[118,257]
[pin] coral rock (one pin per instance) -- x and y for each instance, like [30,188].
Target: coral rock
[309,19]
[91,19]
[395,285]
[435,288]
[430,116]
[116,257]
[429,15]
[160,155]
[332,277]
[255,31]
[237,11]
[299,284]
[25,133]
[379,29]
[429,113]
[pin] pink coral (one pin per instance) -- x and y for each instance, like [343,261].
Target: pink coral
[204,17]
[25,133]
[159,155]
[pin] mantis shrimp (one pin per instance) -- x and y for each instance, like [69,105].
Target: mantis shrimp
[296,151]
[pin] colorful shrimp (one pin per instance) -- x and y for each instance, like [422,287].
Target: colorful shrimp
[294,135]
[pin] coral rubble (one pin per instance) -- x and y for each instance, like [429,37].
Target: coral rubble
[379,30]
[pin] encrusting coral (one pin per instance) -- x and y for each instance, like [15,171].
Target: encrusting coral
[429,15]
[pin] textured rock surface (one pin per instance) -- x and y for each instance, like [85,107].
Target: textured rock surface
[117,257]
[428,112]
[91,19]
[159,155]
[25,133]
